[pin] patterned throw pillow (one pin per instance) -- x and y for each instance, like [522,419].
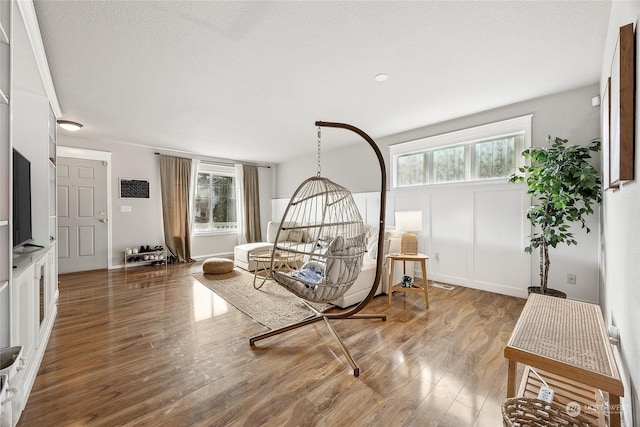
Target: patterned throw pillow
[295,236]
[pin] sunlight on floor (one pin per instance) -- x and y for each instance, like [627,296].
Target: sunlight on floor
[207,304]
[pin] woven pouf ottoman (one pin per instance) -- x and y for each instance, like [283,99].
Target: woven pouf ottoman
[217,266]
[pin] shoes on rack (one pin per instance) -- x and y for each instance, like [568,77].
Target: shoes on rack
[147,248]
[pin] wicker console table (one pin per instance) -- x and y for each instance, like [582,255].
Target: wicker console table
[566,338]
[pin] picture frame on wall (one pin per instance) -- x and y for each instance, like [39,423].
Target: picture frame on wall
[134,188]
[605,110]
[622,109]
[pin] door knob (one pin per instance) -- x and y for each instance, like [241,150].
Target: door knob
[103,219]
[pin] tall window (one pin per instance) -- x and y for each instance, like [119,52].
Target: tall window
[215,199]
[485,152]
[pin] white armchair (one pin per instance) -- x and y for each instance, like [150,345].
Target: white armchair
[242,253]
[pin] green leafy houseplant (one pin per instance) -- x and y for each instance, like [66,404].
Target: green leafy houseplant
[564,187]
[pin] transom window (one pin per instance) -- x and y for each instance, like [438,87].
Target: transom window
[215,199]
[485,152]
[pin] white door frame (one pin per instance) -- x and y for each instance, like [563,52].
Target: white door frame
[104,156]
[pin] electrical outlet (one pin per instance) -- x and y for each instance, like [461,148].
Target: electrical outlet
[571,279]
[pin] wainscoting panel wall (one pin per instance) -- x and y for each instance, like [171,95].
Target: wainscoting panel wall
[451,223]
[500,236]
[474,234]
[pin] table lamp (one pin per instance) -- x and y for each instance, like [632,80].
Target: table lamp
[409,222]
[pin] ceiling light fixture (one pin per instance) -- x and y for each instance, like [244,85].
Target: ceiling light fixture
[69,125]
[381,77]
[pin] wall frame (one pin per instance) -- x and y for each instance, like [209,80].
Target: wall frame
[605,111]
[622,109]
[134,188]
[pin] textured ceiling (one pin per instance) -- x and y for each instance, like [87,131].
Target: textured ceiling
[247,80]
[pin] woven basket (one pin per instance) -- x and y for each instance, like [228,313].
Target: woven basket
[526,412]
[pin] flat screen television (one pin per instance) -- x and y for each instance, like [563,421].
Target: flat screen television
[21,199]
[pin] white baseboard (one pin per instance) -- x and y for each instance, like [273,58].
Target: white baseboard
[218,255]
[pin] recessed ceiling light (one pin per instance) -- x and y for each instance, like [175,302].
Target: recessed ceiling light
[69,125]
[381,77]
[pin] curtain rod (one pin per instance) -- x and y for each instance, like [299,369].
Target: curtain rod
[212,162]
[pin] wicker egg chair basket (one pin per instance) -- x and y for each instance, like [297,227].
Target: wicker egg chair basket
[324,216]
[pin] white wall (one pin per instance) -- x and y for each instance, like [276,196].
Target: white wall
[620,269]
[143,225]
[568,115]
[30,112]
[30,134]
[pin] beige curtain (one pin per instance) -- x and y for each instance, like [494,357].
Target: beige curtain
[175,180]
[251,197]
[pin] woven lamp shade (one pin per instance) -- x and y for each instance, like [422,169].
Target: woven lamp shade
[409,222]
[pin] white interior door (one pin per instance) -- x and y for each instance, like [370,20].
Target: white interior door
[82,214]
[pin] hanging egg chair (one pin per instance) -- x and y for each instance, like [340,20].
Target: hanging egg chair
[322,235]
[328,242]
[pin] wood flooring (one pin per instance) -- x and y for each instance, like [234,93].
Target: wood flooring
[154,347]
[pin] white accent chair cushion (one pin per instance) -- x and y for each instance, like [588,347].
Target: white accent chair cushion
[272,231]
[242,253]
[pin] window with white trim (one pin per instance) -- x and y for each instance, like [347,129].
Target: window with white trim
[491,151]
[215,199]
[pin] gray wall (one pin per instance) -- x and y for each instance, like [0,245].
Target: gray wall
[620,269]
[143,225]
[568,115]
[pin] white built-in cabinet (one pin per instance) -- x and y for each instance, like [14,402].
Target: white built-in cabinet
[28,276]
[34,292]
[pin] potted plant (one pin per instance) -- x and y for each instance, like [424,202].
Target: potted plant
[564,187]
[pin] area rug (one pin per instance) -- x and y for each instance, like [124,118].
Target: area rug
[271,305]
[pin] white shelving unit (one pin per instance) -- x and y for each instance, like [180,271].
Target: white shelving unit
[131,260]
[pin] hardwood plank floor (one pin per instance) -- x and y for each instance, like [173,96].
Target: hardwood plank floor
[155,347]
